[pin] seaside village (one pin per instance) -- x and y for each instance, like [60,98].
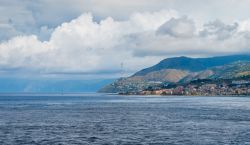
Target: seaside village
[234,88]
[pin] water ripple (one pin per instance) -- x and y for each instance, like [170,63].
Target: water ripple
[125,121]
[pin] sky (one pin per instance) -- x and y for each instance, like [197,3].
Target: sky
[87,39]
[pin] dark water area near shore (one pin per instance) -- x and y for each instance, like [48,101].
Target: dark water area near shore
[100,119]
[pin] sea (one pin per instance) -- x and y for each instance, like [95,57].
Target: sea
[109,119]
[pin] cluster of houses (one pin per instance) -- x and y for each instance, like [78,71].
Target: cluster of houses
[239,87]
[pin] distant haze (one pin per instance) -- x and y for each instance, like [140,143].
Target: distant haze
[51,86]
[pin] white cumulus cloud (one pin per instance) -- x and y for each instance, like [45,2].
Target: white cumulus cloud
[182,27]
[84,46]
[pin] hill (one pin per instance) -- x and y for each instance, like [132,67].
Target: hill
[193,64]
[229,71]
[182,69]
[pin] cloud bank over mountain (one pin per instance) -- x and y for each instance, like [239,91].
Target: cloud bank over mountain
[95,45]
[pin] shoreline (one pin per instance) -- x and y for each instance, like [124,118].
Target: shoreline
[184,95]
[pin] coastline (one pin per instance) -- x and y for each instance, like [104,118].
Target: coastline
[248,95]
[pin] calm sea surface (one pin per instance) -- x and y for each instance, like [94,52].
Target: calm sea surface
[97,119]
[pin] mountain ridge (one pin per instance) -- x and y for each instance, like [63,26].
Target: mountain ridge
[193,64]
[182,69]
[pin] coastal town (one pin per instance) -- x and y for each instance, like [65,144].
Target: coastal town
[199,88]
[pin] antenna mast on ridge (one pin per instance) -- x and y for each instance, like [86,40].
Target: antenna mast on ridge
[122,70]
